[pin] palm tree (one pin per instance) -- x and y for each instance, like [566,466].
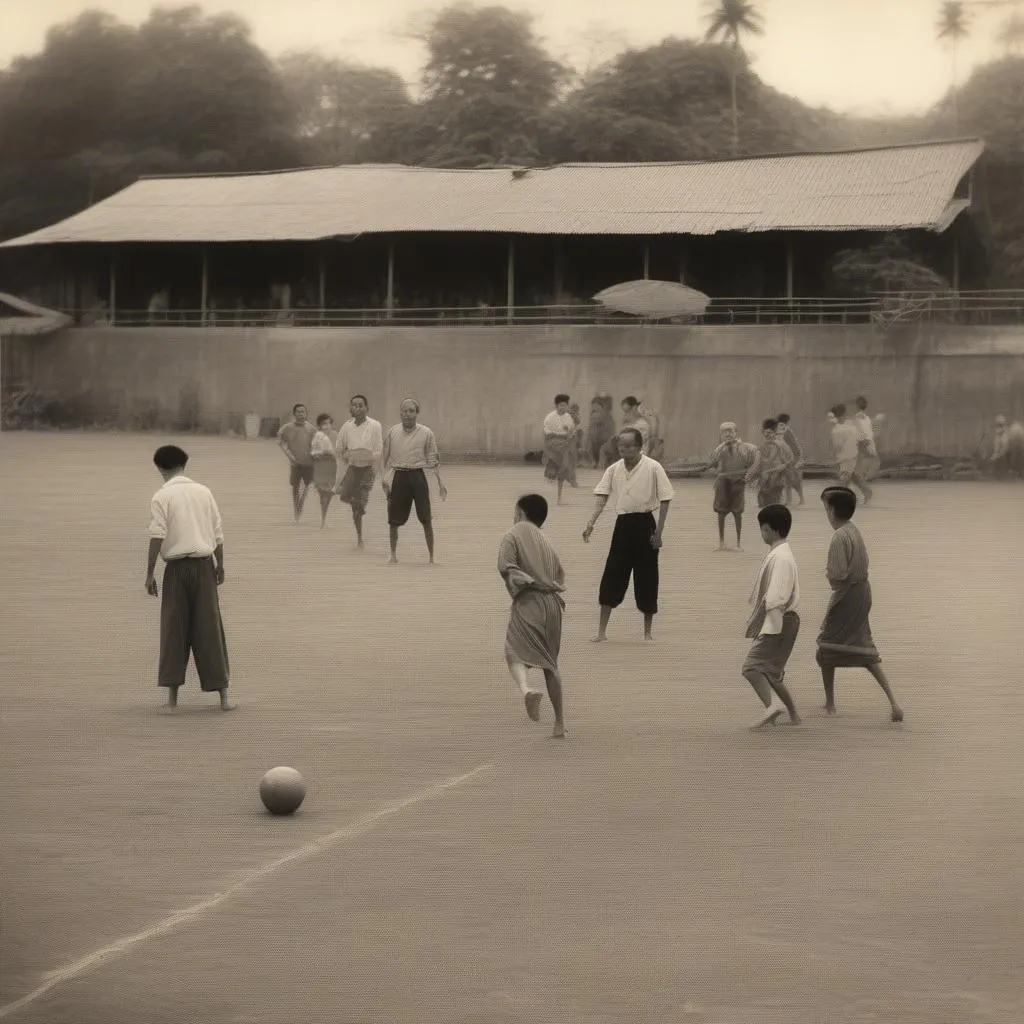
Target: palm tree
[728,22]
[1011,34]
[952,26]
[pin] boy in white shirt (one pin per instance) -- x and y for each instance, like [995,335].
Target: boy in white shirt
[774,623]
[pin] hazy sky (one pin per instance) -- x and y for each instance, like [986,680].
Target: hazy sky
[875,56]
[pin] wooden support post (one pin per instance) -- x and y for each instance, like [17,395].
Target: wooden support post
[390,300]
[204,291]
[956,265]
[789,268]
[323,282]
[510,289]
[559,271]
[647,261]
[113,286]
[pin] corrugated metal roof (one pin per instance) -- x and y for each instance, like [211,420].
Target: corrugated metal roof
[876,189]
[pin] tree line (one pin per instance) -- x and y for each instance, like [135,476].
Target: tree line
[185,92]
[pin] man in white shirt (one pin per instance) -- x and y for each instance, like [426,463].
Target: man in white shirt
[410,449]
[774,623]
[635,485]
[359,452]
[868,462]
[186,531]
[560,444]
[846,448]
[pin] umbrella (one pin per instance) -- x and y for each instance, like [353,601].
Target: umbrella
[654,299]
[35,319]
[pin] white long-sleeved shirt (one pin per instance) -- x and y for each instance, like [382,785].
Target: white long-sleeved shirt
[782,589]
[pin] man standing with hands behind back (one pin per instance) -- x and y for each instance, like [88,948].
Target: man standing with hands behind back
[636,485]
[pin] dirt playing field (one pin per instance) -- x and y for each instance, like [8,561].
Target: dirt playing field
[452,863]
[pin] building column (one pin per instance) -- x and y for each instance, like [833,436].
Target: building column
[323,280]
[510,283]
[204,290]
[113,286]
[647,261]
[390,299]
[789,267]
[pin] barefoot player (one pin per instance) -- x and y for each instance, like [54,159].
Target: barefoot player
[360,450]
[774,623]
[845,639]
[533,574]
[733,458]
[635,486]
[296,441]
[185,530]
[771,466]
[410,449]
[794,474]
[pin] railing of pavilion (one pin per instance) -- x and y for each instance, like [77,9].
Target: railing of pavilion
[882,309]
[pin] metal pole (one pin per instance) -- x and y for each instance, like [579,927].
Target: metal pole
[204,291]
[789,268]
[647,261]
[510,291]
[113,285]
[390,301]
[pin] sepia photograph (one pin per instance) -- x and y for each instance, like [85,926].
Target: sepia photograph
[512,512]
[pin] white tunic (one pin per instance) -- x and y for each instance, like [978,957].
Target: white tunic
[640,489]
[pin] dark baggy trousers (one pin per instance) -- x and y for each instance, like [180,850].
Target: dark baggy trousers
[631,554]
[190,622]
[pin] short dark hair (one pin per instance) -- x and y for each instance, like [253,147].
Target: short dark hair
[561,398]
[323,418]
[297,406]
[770,424]
[838,410]
[535,508]
[630,400]
[638,437]
[776,517]
[862,402]
[783,417]
[169,457]
[366,401]
[841,500]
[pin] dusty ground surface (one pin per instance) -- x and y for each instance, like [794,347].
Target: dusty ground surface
[660,864]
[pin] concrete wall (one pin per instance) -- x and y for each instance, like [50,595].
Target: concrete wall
[485,391]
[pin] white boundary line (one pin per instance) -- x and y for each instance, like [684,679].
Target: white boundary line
[71,971]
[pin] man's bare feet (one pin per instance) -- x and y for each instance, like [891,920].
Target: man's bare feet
[721,547]
[360,545]
[532,700]
[897,714]
[795,720]
[599,639]
[830,709]
[392,560]
[228,706]
[559,731]
[647,636]
[770,714]
[738,548]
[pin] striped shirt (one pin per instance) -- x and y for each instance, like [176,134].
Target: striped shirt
[411,449]
[360,444]
[184,515]
[640,489]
